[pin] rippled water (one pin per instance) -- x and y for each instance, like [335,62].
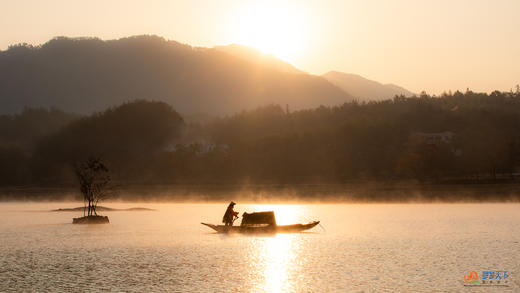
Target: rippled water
[365,248]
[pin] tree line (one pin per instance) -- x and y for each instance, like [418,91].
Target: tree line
[455,137]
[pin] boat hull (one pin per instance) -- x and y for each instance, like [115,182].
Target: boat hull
[263,229]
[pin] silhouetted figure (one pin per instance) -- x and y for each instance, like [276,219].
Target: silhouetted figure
[229,215]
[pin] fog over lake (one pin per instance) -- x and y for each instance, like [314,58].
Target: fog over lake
[360,248]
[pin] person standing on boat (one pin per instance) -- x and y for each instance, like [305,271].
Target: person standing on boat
[229,215]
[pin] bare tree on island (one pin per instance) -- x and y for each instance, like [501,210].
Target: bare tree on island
[94,179]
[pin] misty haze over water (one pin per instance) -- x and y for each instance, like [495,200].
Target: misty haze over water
[363,247]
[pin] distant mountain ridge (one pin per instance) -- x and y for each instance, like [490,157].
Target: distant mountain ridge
[364,89]
[84,75]
[258,58]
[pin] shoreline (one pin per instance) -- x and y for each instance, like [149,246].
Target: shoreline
[368,192]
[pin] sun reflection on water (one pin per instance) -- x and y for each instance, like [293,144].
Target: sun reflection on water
[275,261]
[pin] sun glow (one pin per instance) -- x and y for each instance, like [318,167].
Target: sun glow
[273,27]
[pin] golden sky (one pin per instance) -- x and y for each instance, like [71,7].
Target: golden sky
[433,45]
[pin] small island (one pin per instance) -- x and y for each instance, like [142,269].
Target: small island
[94,180]
[105,209]
[92,219]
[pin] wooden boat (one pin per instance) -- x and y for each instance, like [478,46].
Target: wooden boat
[263,222]
[263,228]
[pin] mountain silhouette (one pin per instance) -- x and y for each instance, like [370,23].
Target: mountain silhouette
[258,57]
[364,89]
[83,75]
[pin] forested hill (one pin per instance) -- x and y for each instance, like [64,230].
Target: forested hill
[87,74]
[459,138]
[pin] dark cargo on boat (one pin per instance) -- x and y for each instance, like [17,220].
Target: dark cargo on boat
[258,218]
[261,222]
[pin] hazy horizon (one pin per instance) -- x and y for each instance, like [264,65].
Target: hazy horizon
[418,45]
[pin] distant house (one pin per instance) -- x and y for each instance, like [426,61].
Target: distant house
[432,138]
[201,147]
[210,147]
[432,141]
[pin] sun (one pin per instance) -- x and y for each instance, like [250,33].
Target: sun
[273,27]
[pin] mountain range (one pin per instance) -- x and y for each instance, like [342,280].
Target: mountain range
[360,88]
[258,58]
[85,75]
[364,89]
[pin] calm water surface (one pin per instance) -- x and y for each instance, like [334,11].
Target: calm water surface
[365,248]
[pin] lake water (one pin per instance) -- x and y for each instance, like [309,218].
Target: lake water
[362,248]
